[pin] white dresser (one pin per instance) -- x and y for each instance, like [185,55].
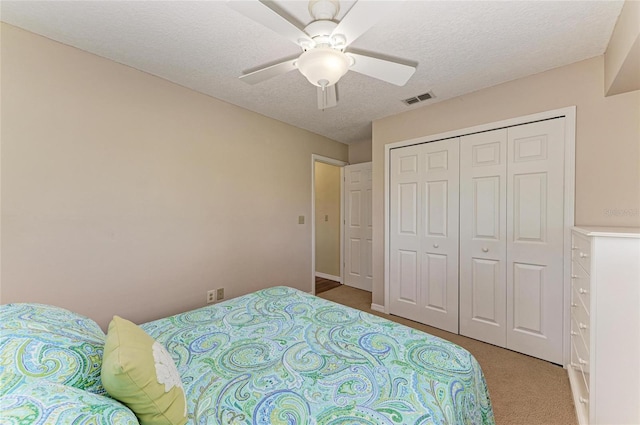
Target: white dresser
[605,325]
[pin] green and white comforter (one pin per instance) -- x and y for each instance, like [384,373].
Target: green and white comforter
[280,356]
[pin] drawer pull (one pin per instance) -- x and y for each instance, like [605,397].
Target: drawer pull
[582,326]
[583,255]
[573,248]
[574,276]
[583,291]
[435,245]
[583,400]
[581,361]
[574,333]
[485,249]
[574,305]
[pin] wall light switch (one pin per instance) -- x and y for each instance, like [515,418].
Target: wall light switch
[300,219]
[326,217]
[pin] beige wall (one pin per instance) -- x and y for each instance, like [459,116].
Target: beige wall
[360,152]
[622,58]
[607,141]
[327,187]
[123,193]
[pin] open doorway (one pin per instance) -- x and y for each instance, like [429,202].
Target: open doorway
[327,216]
[341,236]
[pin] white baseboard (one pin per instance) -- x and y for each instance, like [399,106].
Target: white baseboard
[329,276]
[377,307]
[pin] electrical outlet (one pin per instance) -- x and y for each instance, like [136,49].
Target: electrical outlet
[219,294]
[211,296]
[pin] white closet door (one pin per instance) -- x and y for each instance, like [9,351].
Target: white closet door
[424,233]
[439,233]
[404,267]
[483,169]
[535,215]
[358,231]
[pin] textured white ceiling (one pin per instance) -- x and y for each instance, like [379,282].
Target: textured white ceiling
[459,46]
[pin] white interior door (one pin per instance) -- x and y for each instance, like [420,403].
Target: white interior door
[511,217]
[483,169]
[535,214]
[511,238]
[358,229]
[424,233]
[404,264]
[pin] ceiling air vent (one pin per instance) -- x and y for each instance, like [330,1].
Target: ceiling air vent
[419,98]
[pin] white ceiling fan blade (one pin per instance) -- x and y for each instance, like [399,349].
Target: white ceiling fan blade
[327,97]
[262,14]
[263,74]
[362,16]
[391,72]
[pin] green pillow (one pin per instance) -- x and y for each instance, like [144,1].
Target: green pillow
[140,373]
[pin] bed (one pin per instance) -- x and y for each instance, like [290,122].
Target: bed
[281,356]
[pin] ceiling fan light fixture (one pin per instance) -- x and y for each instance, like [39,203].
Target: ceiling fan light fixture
[323,66]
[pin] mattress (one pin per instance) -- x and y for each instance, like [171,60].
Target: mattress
[281,356]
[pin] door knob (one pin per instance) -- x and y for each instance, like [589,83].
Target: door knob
[435,245]
[485,249]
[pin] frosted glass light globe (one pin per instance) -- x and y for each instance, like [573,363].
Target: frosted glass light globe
[323,66]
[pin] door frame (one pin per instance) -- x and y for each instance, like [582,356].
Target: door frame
[569,113]
[336,162]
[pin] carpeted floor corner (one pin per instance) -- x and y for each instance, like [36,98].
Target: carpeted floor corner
[524,390]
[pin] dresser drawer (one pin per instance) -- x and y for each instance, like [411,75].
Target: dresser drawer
[580,393]
[581,347]
[582,372]
[580,282]
[580,319]
[581,366]
[581,251]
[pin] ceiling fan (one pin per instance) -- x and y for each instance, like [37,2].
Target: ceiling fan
[324,59]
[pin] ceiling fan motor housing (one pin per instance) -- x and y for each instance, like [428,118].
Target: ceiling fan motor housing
[324,9]
[320,32]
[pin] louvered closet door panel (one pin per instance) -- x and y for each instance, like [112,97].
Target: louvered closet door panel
[424,233]
[483,172]
[535,215]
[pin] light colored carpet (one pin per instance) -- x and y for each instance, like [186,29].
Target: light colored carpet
[523,390]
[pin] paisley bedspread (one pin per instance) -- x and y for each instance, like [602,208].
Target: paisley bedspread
[281,356]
